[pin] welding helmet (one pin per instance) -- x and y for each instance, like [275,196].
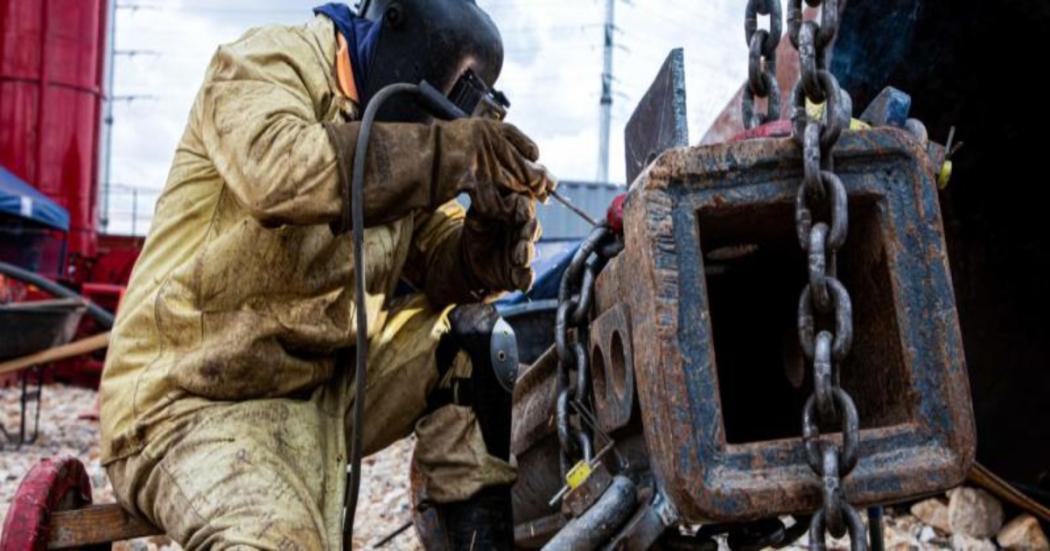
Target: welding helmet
[439,41]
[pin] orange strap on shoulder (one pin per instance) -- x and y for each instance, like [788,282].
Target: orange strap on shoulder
[344,70]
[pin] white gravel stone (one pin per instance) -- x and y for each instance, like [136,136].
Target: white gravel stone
[1023,533]
[974,513]
[962,542]
[933,512]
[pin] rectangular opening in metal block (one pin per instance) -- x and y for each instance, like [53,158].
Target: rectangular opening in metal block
[755,271]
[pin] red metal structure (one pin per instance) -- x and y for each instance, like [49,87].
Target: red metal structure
[51,70]
[53,485]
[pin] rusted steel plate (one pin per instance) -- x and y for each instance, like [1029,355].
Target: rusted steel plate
[719,461]
[612,367]
[659,122]
[532,535]
[534,397]
[534,442]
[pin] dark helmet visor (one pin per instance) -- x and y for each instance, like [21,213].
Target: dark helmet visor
[433,40]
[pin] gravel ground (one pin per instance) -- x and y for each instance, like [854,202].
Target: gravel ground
[64,430]
[902,531]
[67,427]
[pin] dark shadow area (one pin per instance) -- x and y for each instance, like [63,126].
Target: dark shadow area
[976,66]
[753,282]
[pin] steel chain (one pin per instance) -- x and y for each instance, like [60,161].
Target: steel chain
[575,299]
[825,311]
[762,62]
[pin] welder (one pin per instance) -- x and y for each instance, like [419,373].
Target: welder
[228,386]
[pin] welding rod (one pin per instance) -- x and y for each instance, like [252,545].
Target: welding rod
[390,537]
[593,462]
[576,210]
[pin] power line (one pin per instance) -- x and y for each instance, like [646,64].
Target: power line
[246,10]
[505,32]
[136,53]
[138,6]
[131,98]
[143,189]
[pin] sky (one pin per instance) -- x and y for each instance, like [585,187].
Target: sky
[552,75]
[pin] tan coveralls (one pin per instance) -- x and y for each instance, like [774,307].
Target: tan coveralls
[224,410]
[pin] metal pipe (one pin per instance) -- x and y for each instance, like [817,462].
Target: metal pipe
[100,315]
[878,538]
[600,523]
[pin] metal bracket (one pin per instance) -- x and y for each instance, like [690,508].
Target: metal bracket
[717,448]
[659,122]
[612,367]
[503,353]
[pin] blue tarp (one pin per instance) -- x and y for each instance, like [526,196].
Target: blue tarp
[22,200]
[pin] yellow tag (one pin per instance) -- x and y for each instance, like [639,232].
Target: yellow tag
[857,125]
[945,176]
[578,474]
[816,112]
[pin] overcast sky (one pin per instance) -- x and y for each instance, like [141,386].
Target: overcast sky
[552,75]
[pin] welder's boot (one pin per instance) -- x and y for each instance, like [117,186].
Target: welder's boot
[481,522]
[484,521]
[489,341]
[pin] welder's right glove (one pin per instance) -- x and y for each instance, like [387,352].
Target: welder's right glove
[416,166]
[498,253]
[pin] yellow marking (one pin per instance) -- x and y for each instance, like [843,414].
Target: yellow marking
[578,474]
[945,176]
[816,112]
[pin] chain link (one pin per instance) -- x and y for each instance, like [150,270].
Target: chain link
[762,62]
[575,299]
[825,310]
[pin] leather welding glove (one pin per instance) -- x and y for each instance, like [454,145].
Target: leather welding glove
[497,252]
[417,166]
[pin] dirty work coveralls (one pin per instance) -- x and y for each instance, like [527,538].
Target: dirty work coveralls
[224,410]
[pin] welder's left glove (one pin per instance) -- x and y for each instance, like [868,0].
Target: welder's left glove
[498,253]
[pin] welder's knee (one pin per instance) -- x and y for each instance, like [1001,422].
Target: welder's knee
[243,479]
[231,507]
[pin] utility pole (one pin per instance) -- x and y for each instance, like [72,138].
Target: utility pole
[605,120]
[107,116]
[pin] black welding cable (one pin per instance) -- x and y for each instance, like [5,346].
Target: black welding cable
[357,215]
[430,99]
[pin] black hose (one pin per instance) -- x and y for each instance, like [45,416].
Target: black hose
[430,99]
[102,316]
[357,215]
